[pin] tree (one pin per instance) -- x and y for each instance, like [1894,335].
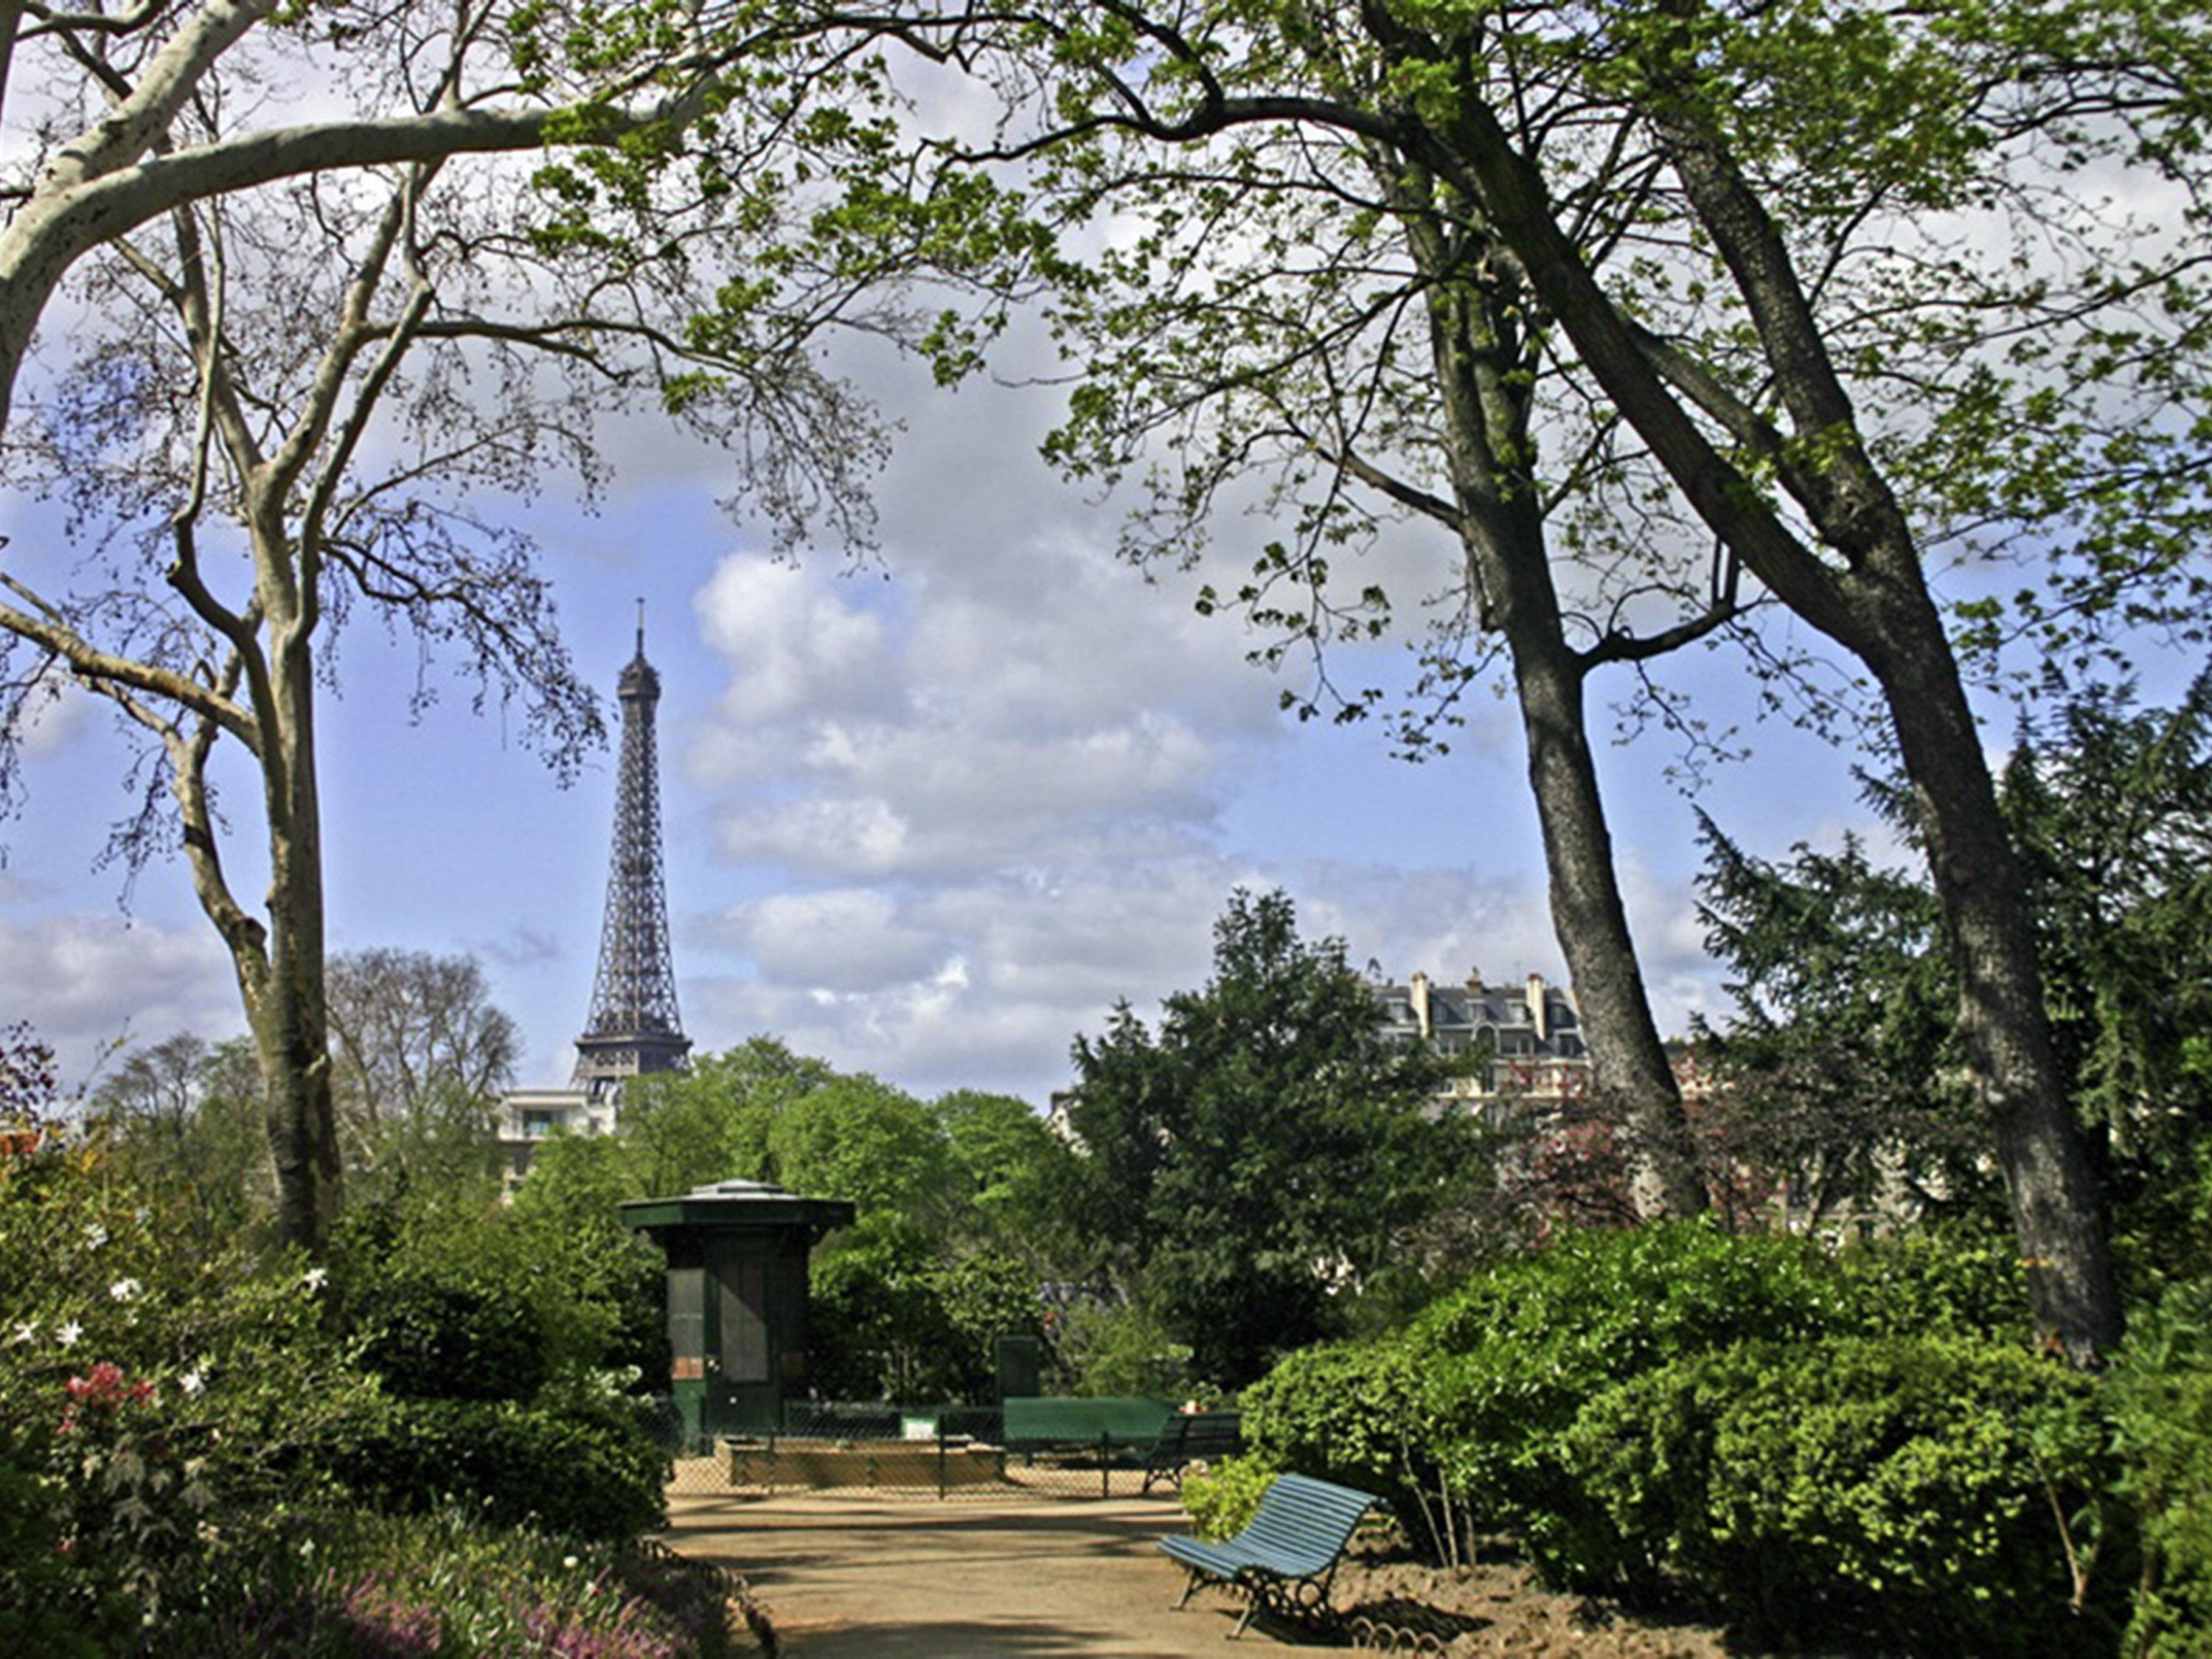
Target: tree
[1012,1175]
[711,1122]
[1846,1038]
[1264,1149]
[1855,211]
[1836,1076]
[1319,319]
[184,1116]
[419,1055]
[326,316]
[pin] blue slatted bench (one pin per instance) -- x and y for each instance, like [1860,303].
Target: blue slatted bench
[1285,1558]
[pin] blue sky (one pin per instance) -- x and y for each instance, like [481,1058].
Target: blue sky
[929,818]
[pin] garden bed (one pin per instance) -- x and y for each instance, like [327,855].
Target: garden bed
[821,1465]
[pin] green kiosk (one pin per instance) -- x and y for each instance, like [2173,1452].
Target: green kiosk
[737,1299]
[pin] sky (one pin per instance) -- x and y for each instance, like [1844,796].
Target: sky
[928,816]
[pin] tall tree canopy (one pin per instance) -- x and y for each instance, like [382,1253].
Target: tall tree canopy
[339,278]
[1263,1150]
[1827,263]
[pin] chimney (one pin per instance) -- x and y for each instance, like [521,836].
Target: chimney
[1536,1009]
[1418,993]
[1475,981]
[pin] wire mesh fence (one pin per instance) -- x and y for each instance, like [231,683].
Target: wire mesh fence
[936,1452]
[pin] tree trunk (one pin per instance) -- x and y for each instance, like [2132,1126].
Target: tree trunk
[1879,609]
[1637,1089]
[1486,402]
[2003,1021]
[295,1031]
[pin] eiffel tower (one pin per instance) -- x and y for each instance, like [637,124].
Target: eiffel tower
[633,1027]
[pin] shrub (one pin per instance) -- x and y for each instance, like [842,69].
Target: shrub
[2161,1394]
[349,1583]
[1125,1349]
[431,1339]
[155,1400]
[585,1467]
[1908,1489]
[1221,1501]
[1960,1281]
[1507,1361]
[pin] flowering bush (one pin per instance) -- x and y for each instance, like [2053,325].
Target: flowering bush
[360,1584]
[180,1429]
[161,1404]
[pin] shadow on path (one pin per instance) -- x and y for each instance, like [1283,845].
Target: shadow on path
[847,1577]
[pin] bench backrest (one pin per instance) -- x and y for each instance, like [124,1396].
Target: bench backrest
[1302,1525]
[1200,1435]
[1213,1434]
[1051,1420]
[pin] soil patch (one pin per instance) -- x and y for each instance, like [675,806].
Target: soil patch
[1393,1605]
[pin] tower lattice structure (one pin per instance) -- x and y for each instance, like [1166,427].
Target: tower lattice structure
[633,1027]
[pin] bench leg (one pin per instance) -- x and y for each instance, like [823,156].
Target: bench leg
[1256,1592]
[1189,1588]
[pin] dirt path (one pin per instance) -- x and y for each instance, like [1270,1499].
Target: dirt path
[848,1577]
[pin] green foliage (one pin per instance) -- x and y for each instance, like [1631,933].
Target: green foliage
[1461,1419]
[1840,1067]
[1119,1350]
[347,1584]
[2161,1394]
[1909,1489]
[1221,1501]
[1840,1072]
[864,1141]
[1266,1148]
[158,1399]
[584,1465]
[1511,1356]
[179,1415]
[1963,1280]
[1345,1411]
[434,1339]
[468,1300]
[894,1318]
[962,1208]
[1011,1176]
[48,1603]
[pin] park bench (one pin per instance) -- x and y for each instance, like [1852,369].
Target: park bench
[1103,1431]
[1285,1556]
[1038,1426]
[1189,1438]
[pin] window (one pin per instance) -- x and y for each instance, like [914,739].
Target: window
[535,1126]
[744,1322]
[687,1323]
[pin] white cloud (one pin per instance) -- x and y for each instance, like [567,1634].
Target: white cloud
[798,644]
[85,982]
[56,713]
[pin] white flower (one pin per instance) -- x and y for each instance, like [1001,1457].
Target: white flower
[124,1289]
[96,1235]
[192,1381]
[568,1560]
[314,1277]
[28,1331]
[68,1333]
